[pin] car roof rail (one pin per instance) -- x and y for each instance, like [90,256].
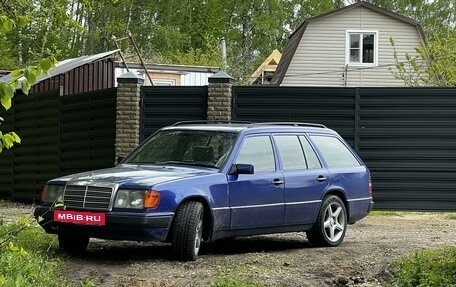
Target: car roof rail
[182,123]
[293,124]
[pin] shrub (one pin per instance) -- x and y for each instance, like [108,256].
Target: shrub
[426,268]
[27,256]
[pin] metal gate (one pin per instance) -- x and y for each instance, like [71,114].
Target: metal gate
[163,105]
[406,136]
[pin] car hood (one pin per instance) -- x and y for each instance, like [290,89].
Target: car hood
[128,175]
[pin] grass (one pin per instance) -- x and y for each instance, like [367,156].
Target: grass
[387,213]
[404,213]
[231,282]
[239,275]
[426,268]
[254,273]
[28,257]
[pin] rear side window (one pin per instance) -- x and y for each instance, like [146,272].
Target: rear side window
[290,152]
[335,152]
[257,151]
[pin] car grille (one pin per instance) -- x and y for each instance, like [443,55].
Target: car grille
[87,197]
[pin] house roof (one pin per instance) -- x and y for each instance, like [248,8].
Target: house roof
[169,67]
[270,64]
[296,36]
[67,65]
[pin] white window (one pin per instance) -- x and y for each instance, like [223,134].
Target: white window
[164,82]
[362,48]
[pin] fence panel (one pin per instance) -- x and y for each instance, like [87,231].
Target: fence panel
[407,136]
[35,160]
[408,140]
[87,131]
[333,107]
[163,105]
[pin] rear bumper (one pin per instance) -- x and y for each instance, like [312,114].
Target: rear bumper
[371,206]
[138,226]
[359,208]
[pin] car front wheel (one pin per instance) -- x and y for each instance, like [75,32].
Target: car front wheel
[330,227]
[187,231]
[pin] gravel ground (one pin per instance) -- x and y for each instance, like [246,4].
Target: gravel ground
[362,260]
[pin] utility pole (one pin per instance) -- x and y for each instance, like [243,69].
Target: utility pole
[223,53]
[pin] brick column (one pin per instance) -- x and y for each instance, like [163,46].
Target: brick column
[219,97]
[128,113]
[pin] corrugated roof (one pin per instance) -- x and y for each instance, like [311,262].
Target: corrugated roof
[67,65]
[170,67]
[295,38]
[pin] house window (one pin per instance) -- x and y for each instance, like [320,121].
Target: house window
[362,48]
[164,82]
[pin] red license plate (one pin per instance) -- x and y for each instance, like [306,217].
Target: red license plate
[78,217]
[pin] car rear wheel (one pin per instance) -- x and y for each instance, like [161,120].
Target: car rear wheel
[187,231]
[331,225]
[73,244]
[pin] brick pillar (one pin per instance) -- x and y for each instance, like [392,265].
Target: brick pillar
[219,97]
[128,113]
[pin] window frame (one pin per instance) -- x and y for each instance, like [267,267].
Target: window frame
[343,143]
[164,82]
[279,154]
[347,48]
[272,145]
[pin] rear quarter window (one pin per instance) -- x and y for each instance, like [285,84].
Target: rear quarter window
[334,151]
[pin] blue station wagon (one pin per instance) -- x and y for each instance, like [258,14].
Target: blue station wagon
[202,181]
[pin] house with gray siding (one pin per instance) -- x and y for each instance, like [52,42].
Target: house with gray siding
[348,47]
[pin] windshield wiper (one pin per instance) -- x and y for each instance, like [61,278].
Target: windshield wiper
[192,163]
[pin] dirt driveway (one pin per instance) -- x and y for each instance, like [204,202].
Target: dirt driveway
[273,260]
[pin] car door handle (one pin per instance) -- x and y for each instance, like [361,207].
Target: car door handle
[277,181]
[321,178]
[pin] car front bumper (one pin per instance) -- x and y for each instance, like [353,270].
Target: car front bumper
[137,226]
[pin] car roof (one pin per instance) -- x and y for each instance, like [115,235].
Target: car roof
[236,127]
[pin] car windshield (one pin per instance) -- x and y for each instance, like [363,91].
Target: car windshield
[189,147]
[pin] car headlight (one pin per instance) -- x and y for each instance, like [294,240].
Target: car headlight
[137,198]
[52,193]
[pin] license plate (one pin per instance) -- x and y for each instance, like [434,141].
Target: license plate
[78,217]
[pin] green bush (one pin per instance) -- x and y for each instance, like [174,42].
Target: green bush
[27,256]
[426,268]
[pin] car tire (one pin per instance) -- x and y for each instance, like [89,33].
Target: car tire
[187,231]
[331,225]
[73,244]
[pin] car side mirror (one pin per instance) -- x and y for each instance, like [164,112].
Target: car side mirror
[240,168]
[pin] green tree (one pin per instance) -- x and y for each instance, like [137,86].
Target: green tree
[434,65]
[437,16]
[258,27]
[48,29]
[20,79]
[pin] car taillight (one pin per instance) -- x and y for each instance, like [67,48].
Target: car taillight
[370,185]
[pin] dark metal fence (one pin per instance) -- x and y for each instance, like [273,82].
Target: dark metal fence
[407,136]
[60,135]
[88,131]
[162,106]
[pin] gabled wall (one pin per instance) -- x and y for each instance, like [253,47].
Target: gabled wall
[319,59]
